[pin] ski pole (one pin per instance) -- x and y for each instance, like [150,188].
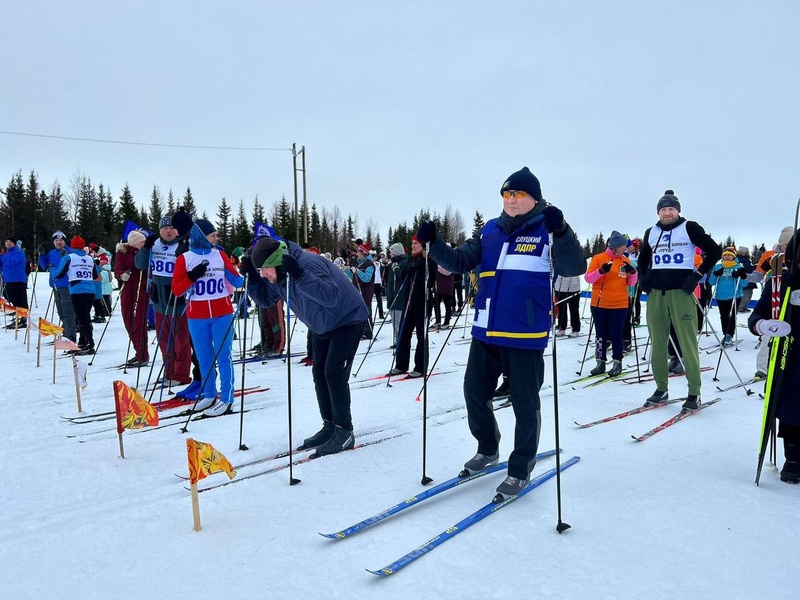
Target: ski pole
[292,479]
[242,446]
[425,479]
[561,526]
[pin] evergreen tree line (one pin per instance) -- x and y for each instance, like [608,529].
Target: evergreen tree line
[32,213]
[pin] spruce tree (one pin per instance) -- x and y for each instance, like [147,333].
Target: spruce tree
[171,207]
[242,233]
[156,209]
[477,224]
[127,207]
[12,205]
[258,212]
[224,222]
[188,202]
[109,217]
[315,228]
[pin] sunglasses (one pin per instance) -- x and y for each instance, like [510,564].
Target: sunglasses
[514,194]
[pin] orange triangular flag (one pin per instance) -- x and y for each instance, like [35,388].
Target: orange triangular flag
[134,412]
[22,312]
[47,328]
[205,460]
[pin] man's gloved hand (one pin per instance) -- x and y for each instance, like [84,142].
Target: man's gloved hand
[606,267]
[426,232]
[125,276]
[246,264]
[628,268]
[553,219]
[691,281]
[151,241]
[290,266]
[198,271]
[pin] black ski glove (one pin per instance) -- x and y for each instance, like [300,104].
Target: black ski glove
[151,241]
[628,268]
[691,281]
[426,232]
[718,272]
[290,266]
[606,267]
[198,271]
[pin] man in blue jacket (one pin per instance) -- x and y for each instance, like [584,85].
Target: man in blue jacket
[329,304]
[512,316]
[15,278]
[60,286]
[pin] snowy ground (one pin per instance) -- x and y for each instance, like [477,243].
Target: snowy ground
[675,516]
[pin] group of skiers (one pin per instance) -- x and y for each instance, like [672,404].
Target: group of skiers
[190,281]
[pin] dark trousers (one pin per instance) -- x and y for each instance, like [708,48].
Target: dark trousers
[17,294]
[458,288]
[82,304]
[379,299]
[573,306]
[525,369]
[414,320]
[334,352]
[727,316]
[448,307]
[608,326]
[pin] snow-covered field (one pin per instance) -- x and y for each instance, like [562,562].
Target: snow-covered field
[675,516]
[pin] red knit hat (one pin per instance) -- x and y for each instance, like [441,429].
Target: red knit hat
[364,248]
[77,243]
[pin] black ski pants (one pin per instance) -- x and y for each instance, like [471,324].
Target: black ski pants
[334,352]
[525,369]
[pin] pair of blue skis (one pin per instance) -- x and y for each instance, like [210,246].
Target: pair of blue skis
[454,530]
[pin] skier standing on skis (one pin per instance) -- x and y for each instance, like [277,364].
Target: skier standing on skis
[210,278]
[610,274]
[668,277]
[322,297]
[60,286]
[512,315]
[762,322]
[158,258]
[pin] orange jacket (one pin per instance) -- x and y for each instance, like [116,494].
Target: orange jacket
[610,290]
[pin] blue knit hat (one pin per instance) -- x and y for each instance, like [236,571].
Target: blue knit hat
[206,226]
[617,239]
[525,181]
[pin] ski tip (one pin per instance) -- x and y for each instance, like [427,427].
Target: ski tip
[636,439]
[333,536]
[381,573]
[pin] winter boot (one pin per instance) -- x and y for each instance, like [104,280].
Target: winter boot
[599,369]
[791,468]
[790,472]
[511,486]
[219,409]
[343,439]
[692,403]
[658,397]
[323,436]
[675,367]
[478,463]
[204,403]
[503,388]
[616,368]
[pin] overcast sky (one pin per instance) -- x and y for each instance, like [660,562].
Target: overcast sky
[409,105]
